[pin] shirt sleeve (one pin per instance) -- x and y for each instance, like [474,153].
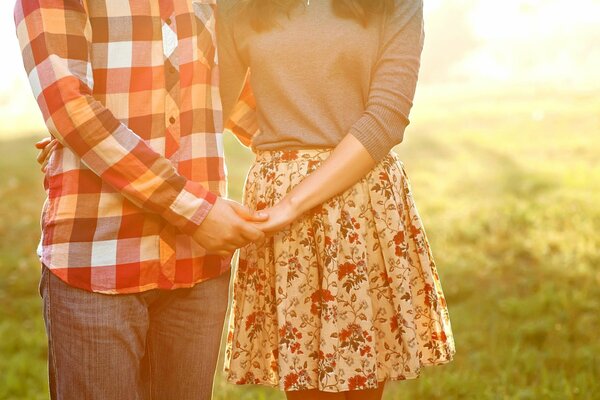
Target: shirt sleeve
[393,81]
[239,105]
[55,40]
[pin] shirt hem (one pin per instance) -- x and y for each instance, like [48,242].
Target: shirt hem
[224,268]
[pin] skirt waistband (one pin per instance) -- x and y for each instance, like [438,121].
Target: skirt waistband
[292,155]
[302,155]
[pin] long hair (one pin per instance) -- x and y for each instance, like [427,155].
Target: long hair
[262,13]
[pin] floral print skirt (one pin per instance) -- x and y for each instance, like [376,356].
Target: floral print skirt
[344,298]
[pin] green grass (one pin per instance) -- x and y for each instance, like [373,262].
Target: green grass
[508,187]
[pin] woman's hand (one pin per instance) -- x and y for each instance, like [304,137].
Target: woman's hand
[280,215]
[46,146]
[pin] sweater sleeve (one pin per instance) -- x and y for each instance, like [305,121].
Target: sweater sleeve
[239,106]
[232,69]
[393,81]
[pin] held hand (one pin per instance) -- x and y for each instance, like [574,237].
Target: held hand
[46,146]
[227,227]
[280,215]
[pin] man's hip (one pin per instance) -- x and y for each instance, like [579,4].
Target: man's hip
[157,344]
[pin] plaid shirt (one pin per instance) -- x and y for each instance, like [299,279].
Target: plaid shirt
[129,89]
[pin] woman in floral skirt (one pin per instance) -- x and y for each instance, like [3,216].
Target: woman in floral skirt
[344,295]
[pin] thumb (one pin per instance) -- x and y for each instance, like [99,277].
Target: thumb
[245,213]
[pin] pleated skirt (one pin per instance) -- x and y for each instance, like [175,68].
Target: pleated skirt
[347,296]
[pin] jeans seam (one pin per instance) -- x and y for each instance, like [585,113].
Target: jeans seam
[150,361]
[50,332]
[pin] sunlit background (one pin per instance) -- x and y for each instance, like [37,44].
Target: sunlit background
[469,42]
[504,158]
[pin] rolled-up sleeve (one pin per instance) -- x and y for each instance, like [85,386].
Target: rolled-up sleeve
[55,39]
[393,81]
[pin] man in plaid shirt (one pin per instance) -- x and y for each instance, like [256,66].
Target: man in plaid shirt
[136,239]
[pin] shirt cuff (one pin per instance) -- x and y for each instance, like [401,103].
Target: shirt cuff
[379,131]
[190,207]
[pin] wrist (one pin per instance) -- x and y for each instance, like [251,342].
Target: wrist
[294,204]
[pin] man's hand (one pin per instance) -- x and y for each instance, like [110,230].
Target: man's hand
[227,227]
[46,146]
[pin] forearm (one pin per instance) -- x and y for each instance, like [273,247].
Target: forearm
[348,163]
[123,160]
[380,128]
[394,81]
[59,66]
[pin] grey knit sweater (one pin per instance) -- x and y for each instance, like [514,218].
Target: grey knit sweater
[317,77]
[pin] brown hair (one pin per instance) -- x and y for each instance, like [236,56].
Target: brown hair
[262,13]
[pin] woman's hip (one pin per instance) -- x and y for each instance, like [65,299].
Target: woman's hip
[275,172]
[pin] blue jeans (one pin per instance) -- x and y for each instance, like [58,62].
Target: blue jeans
[158,345]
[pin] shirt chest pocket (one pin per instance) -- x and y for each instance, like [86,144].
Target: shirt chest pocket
[204,11]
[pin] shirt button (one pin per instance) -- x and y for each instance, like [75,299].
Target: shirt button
[168,21]
[172,120]
[172,70]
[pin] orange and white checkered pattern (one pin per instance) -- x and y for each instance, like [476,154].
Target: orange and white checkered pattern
[130,90]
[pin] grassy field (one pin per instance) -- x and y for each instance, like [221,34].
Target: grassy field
[508,184]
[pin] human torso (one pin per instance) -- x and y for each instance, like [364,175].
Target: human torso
[152,65]
[310,75]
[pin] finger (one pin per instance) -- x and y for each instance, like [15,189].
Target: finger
[221,246]
[239,209]
[225,250]
[247,214]
[51,145]
[233,241]
[46,158]
[43,143]
[220,253]
[258,216]
[251,233]
[234,245]
[262,241]
[42,155]
[45,153]
[266,226]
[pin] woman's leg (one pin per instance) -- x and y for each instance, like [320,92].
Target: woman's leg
[315,395]
[370,394]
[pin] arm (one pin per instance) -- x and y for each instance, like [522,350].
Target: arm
[347,164]
[55,39]
[239,106]
[379,129]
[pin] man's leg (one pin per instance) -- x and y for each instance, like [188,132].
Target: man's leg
[95,342]
[184,340]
